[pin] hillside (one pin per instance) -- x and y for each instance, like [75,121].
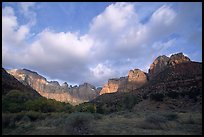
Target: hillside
[170,87]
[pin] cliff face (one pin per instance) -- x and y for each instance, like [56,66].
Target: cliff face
[53,90]
[162,62]
[135,79]
[9,83]
[114,85]
[175,85]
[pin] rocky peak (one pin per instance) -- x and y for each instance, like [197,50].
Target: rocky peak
[159,64]
[135,79]
[87,85]
[53,90]
[54,83]
[65,85]
[178,58]
[136,75]
[27,70]
[162,62]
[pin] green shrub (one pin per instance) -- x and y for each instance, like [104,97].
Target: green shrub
[86,107]
[48,105]
[33,115]
[14,101]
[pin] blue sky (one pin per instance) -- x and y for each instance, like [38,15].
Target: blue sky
[94,41]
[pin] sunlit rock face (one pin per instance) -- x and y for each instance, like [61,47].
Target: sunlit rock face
[53,89]
[114,85]
[177,59]
[162,62]
[135,79]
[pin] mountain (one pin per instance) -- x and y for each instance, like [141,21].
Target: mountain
[53,90]
[17,97]
[15,94]
[137,78]
[9,83]
[173,83]
[163,62]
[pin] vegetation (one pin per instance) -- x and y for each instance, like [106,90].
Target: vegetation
[83,123]
[86,107]
[78,123]
[17,101]
[22,114]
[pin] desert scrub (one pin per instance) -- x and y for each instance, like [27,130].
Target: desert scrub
[78,123]
[33,115]
[154,121]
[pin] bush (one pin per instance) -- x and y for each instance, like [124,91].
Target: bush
[154,121]
[14,101]
[33,115]
[157,97]
[86,107]
[78,123]
[155,118]
[102,108]
[48,105]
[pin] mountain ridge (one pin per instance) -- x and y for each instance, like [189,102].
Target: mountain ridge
[53,90]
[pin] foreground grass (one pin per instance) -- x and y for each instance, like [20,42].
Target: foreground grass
[137,123]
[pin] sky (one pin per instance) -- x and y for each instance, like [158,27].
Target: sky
[95,41]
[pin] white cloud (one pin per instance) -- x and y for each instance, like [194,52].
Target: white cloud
[26,5]
[164,15]
[26,9]
[101,73]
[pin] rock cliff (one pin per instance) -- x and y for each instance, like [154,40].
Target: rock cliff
[162,62]
[135,79]
[53,90]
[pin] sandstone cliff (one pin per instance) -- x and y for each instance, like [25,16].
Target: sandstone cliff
[135,79]
[162,62]
[53,90]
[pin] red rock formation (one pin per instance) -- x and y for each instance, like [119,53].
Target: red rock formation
[114,85]
[135,79]
[162,62]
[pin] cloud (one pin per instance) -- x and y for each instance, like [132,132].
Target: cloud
[118,40]
[26,8]
[101,73]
